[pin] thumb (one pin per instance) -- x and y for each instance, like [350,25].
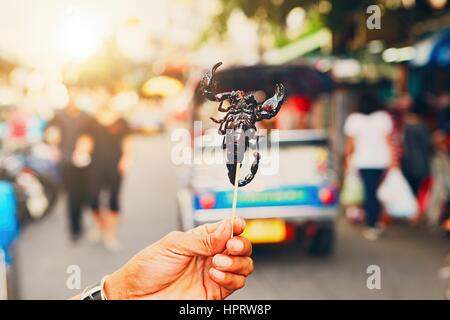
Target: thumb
[216,235]
[205,240]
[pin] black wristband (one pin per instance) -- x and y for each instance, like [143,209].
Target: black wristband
[94,291]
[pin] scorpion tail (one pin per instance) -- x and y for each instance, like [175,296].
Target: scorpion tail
[254,168]
[249,177]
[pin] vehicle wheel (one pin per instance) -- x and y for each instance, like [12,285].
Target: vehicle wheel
[321,244]
[21,211]
[51,191]
[39,194]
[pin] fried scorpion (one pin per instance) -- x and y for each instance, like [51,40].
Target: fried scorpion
[238,126]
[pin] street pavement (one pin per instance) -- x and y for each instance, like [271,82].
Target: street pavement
[409,257]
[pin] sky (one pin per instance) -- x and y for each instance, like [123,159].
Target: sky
[45,33]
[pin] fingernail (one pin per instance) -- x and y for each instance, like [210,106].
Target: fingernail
[236,245]
[219,275]
[222,261]
[241,223]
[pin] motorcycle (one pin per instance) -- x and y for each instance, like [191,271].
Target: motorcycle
[34,175]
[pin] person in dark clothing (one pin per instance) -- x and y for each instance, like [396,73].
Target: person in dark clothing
[64,131]
[372,179]
[106,156]
[111,155]
[443,112]
[417,146]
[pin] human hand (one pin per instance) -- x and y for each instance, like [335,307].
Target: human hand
[81,159]
[202,263]
[394,164]
[123,165]
[81,156]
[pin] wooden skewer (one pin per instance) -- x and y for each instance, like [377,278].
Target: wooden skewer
[233,211]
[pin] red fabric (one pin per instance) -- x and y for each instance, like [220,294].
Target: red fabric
[423,196]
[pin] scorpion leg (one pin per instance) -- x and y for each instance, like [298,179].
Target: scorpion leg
[222,130]
[222,108]
[223,122]
[217,121]
[224,125]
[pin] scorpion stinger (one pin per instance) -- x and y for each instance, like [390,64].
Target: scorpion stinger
[238,126]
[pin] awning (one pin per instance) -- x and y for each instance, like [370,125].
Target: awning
[433,50]
[319,39]
[297,79]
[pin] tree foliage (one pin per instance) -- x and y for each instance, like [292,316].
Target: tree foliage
[275,12]
[343,17]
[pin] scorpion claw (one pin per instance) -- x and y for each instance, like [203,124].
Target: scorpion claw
[208,81]
[270,107]
[279,91]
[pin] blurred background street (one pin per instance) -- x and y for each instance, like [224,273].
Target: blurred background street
[409,258]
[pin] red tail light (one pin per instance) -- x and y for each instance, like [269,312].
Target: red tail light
[326,195]
[208,201]
[290,232]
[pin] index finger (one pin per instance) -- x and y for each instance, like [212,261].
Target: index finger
[238,228]
[239,246]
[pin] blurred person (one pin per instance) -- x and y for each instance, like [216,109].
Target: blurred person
[404,102]
[370,150]
[202,263]
[108,142]
[397,109]
[416,146]
[439,208]
[443,112]
[63,132]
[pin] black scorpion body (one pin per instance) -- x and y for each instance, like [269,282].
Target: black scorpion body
[238,126]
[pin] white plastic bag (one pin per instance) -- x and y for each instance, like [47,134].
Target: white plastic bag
[396,195]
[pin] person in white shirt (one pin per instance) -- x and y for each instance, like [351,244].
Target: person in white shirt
[370,151]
